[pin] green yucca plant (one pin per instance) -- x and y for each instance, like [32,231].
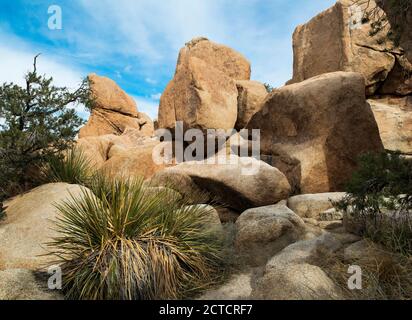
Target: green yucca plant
[126,243]
[73,168]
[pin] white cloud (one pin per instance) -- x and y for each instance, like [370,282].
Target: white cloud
[156,96]
[147,106]
[16,59]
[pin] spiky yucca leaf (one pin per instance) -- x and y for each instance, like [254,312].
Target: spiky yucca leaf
[73,168]
[124,242]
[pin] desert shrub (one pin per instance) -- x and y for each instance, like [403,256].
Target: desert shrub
[73,167]
[385,277]
[268,87]
[38,120]
[380,198]
[127,243]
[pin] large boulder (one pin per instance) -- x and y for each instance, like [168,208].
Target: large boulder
[250,100]
[230,62]
[203,92]
[297,282]
[239,183]
[351,47]
[28,226]
[394,118]
[262,232]
[320,126]
[128,155]
[136,160]
[314,205]
[295,272]
[113,111]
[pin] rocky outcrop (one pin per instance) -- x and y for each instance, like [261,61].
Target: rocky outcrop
[351,47]
[127,155]
[230,183]
[28,226]
[113,111]
[203,92]
[394,118]
[124,161]
[262,232]
[294,273]
[319,127]
[314,205]
[249,101]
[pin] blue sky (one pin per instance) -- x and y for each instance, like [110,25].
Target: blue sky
[136,42]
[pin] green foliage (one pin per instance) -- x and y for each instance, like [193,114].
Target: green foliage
[73,167]
[268,87]
[37,122]
[127,243]
[380,199]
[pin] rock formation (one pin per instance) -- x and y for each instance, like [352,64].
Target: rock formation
[113,111]
[210,89]
[351,47]
[394,118]
[227,184]
[322,125]
[29,226]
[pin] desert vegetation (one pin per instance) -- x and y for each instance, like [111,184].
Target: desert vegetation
[126,242]
[39,122]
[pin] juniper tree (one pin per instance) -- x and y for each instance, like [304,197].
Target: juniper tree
[36,121]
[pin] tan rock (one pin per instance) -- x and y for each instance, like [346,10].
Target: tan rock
[113,111]
[102,122]
[394,118]
[232,183]
[133,161]
[200,96]
[108,95]
[351,47]
[28,226]
[250,101]
[323,124]
[313,205]
[297,282]
[262,232]
[218,56]
[238,287]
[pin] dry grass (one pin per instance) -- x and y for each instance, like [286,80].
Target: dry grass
[125,243]
[385,275]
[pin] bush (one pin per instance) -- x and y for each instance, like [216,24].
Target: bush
[380,199]
[127,243]
[73,168]
[38,122]
[386,278]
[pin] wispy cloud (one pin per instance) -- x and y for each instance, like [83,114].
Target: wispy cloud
[137,42]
